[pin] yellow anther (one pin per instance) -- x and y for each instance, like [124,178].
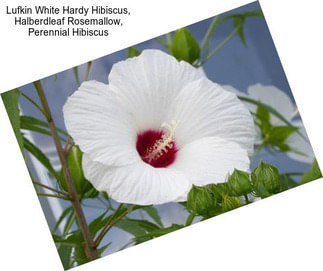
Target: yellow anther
[165,143]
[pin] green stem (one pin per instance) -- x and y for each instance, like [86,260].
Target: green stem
[272,111]
[33,102]
[246,199]
[76,74]
[87,72]
[190,219]
[67,175]
[109,225]
[69,224]
[93,206]
[258,149]
[209,32]
[53,196]
[103,202]
[50,188]
[222,43]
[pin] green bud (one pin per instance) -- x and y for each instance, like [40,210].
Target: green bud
[218,190]
[132,52]
[239,183]
[313,174]
[184,46]
[230,203]
[200,200]
[74,160]
[266,179]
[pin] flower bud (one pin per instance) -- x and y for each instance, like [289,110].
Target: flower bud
[218,190]
[230,203]
[239,183]
[74,160]
[200,200]
[266,179]
[184,46]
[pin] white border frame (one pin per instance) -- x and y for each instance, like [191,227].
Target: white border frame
[289,225]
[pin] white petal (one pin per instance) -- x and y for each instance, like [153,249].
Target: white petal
[138,183]
[210,160]
[275,98]
[250,106]
[147,84]
[298,143]
[99,126]
[203,109]
[201,71]
[233,90]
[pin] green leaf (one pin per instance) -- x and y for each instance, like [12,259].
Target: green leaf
[32,124]
[286,182]
[217,20]
[281,133]
[74,159]
[79,255]
[34,121]
[65,255]
[238,24]
[165,40]
[136,227]
[102,249]
[30,127]
[76,75]
[276,136]
[62,216]
[92,193]
[313,174]
[184,46]
[153,213]
[40,156]
[10,100]
[74,239]
[270,110]
[157,233]
[238,21]
[98,223]
[132,52]
[254,13]
[263,116]
[105,196]
[131,207]
[69,222]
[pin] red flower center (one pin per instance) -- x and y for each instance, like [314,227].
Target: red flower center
[156,148]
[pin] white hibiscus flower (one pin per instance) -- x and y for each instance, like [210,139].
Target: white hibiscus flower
[158,127]
[281,102]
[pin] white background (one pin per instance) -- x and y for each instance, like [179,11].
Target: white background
[284,232]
